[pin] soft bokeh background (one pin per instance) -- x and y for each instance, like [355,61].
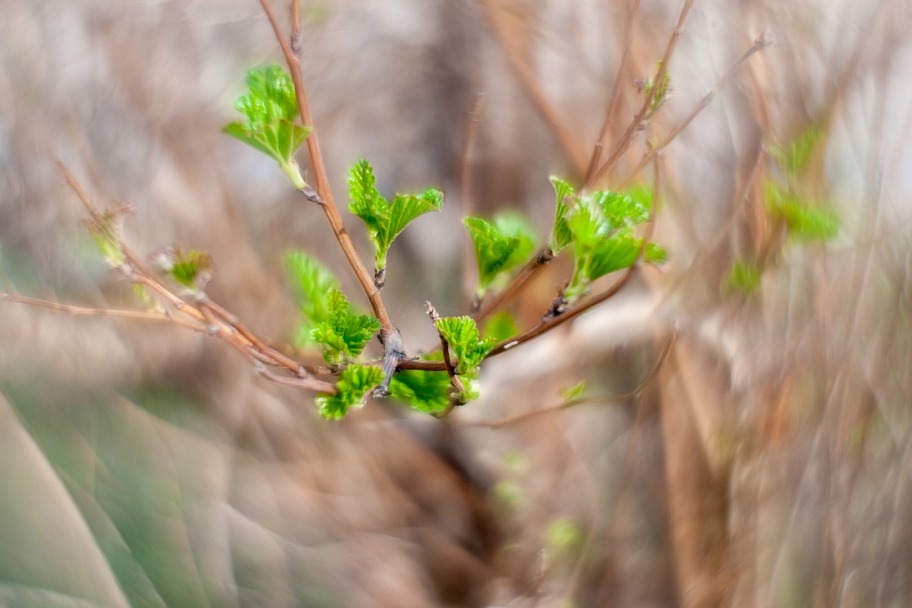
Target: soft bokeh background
[768,463]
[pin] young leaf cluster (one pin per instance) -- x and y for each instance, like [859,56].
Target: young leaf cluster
[500,246]
[385,220]
[425,391]
[599,228]
[192,269]
[353,386]
[311,284]
[327,316]
[344,333]
[270,108]
[462,335]
[804,221]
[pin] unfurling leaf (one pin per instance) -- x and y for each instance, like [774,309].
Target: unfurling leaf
[461,334]
[343,333]
[270,109]
[312,283]
[574,392]
[385,221]
[601,224]
[745,277]
[500,246]
[192,269]
[655,254]
[560,233]
[794,157]
[425,391]
[107,228]
[803,221]
[354,384]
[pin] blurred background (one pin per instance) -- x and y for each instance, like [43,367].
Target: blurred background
[763,459]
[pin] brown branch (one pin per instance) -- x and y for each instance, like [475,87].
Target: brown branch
[614,102]
[526,274]
[758,45]
[204,315]
[635,125]
[84,311]
[323,194]
[455,381]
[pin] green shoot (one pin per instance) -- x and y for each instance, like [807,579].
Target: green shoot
[461,334]
[354,384]
[312,284]
[500,246]
[344,334]
[601,225]
[270,108]
[384,220]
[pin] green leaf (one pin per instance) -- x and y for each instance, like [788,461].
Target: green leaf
[312,284]
[745,277]
[425,391]
[621,209]
[601,225]
[662,88]
[563,535]
[560,233]
[803,221]
[615,253]
[794,157]
[501,326]
[366,201]
[270,109]
[344,333]
[354,383]
[461,334]
[385,221]
[191,269]
[655,254]
[574,392]
[500,246]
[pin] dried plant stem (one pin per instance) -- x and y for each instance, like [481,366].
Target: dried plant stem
[759,44]
[637,122]
[201,314]
[84,311]
[614,103]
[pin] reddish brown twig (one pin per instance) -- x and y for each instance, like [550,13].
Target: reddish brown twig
[323,195]
[635,125]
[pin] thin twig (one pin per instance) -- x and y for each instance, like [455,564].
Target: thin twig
[627,138]
[455,381]
[297,34]
[633,394]
[758,45]
[528,272]
[614,103]
[70,309]
[324,194]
